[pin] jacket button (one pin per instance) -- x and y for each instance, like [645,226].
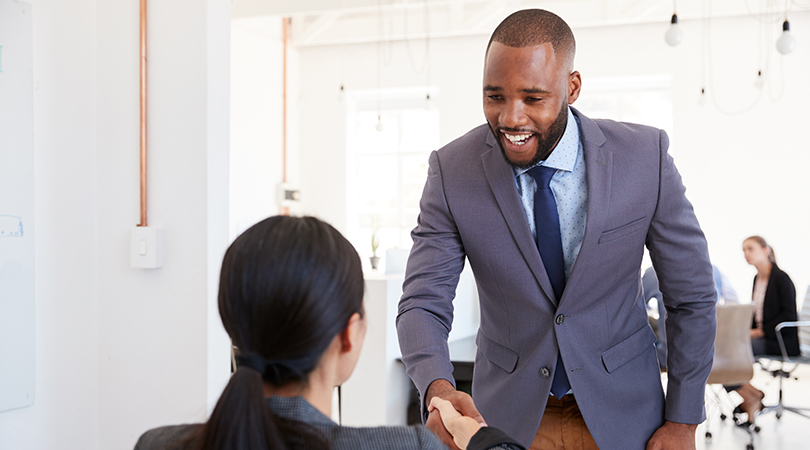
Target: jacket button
[545,373]
[560,319]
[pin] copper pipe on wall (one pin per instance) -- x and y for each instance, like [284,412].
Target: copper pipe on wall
[284,31]
[143,114]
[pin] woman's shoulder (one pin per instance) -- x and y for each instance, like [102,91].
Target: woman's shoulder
[418,437]
[166,438]
[403,437]
[780,275]
[389,437]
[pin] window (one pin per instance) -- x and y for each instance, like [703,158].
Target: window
[640,99]
[387,164]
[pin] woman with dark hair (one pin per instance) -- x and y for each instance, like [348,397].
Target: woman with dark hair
[291,299]
[774,297]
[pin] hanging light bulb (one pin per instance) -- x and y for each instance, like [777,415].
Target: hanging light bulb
[674,35]
[379,126]
[786,42]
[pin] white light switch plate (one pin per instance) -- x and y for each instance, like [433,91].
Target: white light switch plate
[146,249]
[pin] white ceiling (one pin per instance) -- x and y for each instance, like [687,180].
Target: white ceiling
[326,22]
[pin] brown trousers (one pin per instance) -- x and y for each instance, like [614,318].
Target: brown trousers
[562,427]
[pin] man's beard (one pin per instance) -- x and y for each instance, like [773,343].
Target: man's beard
[545,142]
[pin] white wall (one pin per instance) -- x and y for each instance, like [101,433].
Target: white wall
[121,350]
[745,175]
[163,357]
[256,149]
[256,131]
[65,410]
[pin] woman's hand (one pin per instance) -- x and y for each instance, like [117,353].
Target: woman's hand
[462,428]
[757,333]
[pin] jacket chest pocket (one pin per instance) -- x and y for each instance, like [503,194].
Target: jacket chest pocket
[624,230]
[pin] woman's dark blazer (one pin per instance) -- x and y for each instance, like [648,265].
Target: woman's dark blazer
[779,306]
[417,437]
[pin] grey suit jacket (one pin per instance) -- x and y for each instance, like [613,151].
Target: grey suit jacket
[470,208]
[340,438]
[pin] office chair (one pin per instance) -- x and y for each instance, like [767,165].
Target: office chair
[782,367]
[733,360]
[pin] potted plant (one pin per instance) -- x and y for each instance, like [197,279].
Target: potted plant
[375,244]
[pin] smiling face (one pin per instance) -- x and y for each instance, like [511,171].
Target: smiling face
[527,91]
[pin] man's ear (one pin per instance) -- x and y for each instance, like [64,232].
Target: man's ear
[574,86]
[351,333]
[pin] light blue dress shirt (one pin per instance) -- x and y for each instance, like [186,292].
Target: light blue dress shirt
[570,188]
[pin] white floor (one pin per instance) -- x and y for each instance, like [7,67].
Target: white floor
[791,432]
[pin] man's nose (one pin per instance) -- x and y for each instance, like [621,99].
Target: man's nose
[513,115]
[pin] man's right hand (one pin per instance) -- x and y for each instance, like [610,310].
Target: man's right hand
[461,401]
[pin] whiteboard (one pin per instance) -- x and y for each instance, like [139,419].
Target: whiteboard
[17,357]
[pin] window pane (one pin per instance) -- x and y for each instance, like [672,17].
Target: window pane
[387,169]
[371,140]
[408,222]
[371,220]
[415,167]
[377,186]
[420,130]
[411,194]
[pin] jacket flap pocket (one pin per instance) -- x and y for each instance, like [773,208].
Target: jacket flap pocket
[622,231]
[499,355]
[623,352]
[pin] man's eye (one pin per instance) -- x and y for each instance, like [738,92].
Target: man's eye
[533,99]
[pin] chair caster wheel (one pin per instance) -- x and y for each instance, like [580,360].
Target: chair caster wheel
[749,447]
[778,415]
[708,435]
[723,417]
[756,429]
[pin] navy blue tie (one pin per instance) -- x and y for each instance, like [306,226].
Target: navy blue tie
[549,243]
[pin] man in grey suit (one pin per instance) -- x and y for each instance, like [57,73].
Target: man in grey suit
[565,352]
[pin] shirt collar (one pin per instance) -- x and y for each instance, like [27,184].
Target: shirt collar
[564,155]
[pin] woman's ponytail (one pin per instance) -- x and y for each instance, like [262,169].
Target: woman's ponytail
[242,419]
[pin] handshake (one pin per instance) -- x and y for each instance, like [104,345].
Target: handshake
[461,428]
[445,420]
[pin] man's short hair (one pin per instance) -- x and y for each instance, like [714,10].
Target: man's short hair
[530,27]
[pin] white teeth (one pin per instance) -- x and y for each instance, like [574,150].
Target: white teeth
[517,139]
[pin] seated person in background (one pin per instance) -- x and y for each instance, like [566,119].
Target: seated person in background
[725,292]
[291,299]
[774,297]
[649,286]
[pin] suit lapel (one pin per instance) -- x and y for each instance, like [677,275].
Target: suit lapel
[501,180]
[598,170]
